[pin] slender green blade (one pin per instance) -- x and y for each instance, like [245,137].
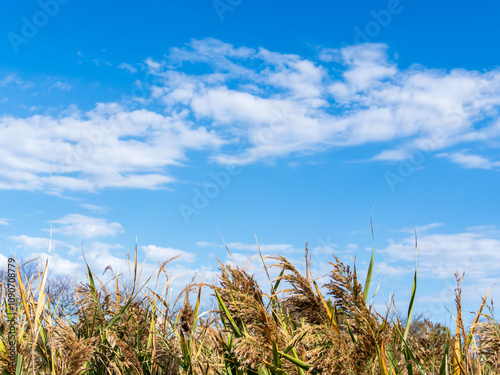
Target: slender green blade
[235,328]
[277,284]
[276,357]
[19,365]
[294,342]
[409,355]
[410,307]
[296,361]
[370,268]
[93,289]
[197,309]
[276,370]
[442,370]
[413,292]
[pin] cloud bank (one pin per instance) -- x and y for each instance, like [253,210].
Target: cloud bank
[240,105]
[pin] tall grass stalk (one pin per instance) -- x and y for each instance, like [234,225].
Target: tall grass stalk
[296,327]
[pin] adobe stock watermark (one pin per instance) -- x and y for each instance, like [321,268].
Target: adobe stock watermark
[223,6]
[31,25]
[379,21]
[437,308]
[324,252]
[326,243]
[202,197]
[445,302]
[221,179]
[417,158]
[11,317]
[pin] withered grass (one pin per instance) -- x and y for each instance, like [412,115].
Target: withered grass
[288,327]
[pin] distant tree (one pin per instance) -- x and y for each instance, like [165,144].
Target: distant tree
[60,289]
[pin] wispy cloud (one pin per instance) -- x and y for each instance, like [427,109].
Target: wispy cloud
[106,147]
[61,86]
[300,106]
[206,244]
[470,161]
[265,248]
[441,255]
[127,67]
[57,264]
[421,229]
[161,254]
[41,243]
[251,105]
[101,62]
[4,221]
[13,80]
[253,247]
[75,225]
[94,208]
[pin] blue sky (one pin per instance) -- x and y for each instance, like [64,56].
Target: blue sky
[170,122]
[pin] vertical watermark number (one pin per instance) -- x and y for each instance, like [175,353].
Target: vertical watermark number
[12,310]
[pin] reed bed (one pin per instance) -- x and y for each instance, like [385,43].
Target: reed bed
[292,326]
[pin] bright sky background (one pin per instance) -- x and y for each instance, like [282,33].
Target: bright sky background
[170,121]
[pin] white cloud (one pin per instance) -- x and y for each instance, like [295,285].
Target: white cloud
[38,243]
[3,261]
[161,254]
[4,221]
[101,255]
[305,106]
[484,230]
[441,255]
[61,86]
[86,226]
[367,65]
[14,80]
[57,265]
[264,248]
[323,250]
[42,244]
[206,244]
[352,247]
[422,229]
[99,62]
[251,105]
[94,208]
[127,67]
[106,147]
[470,161]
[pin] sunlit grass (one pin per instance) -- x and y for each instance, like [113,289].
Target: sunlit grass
[290,329]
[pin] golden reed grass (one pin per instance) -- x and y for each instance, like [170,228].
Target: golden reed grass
[289,329]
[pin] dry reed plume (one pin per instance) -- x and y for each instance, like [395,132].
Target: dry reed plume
[289,328]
